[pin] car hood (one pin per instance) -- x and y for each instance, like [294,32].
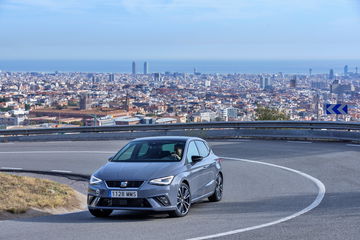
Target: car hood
[137,170]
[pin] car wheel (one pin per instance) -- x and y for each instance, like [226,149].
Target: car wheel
[183,201]
[217,196]
[100,212]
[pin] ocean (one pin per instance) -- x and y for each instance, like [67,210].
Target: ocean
[202,66]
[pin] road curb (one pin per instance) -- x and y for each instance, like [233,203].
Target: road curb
[72,176]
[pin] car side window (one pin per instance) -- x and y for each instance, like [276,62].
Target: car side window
[203,150]
[143,149]
[192,151]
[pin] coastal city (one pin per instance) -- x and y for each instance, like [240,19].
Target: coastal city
[60,99]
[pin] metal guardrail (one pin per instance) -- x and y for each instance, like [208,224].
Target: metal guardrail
[309,125]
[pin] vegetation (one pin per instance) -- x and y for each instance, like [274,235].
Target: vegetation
[264,113]
[20,193]
[27,107]
[6,109]
[4,100]
[72,103]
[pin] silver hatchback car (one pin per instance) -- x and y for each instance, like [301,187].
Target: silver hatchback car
[157,174]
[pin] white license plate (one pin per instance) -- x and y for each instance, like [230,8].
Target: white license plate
[124,194]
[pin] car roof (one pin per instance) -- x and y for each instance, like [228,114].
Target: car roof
[184,138]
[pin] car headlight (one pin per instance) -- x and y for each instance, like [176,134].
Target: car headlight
[94,180]
[162,181]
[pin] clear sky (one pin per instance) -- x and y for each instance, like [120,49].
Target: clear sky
[179,29]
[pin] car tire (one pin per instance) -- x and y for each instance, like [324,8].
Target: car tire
[218,193]
[101,213]
[183,201]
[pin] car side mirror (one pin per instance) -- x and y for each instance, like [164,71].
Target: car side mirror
[196,158]
[110,158]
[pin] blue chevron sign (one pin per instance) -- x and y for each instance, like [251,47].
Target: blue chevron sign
[336,108]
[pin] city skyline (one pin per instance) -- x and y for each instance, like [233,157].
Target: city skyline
[179,29]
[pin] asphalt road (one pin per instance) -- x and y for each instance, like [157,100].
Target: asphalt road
[255,194]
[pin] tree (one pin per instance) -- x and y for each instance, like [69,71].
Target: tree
[27,107]
[265,113]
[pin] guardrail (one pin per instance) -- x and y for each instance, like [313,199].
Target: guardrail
[270,129]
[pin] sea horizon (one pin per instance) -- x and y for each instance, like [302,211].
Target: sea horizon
[182,66]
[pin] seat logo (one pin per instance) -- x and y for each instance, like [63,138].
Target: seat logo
[124,184]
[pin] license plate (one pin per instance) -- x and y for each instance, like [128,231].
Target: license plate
[124,194]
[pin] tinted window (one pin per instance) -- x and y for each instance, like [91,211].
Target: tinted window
[192,151]
[203,149]
[151,151]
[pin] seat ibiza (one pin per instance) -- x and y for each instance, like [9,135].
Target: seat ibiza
[157,174]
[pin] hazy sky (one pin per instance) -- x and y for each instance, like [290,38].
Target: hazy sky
[179,29]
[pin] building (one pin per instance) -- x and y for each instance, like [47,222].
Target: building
[85,102]
[133,67]
[293,82]
[331,74]
[166,120]
[207,83]
[230,113]
[127,120]
[265,83]
[112,77]
[157,77]
[346,70]
[146,68]
[208,116]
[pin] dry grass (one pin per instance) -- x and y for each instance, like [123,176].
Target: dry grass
[20,193]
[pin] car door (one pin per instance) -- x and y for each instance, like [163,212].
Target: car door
[209,167]
[196,176]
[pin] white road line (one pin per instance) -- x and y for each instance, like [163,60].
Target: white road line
[11,168]
[313,205]
[57,152]
[298,142]
[61,171]
[353,145]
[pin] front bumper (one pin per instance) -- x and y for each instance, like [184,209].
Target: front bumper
[148,198]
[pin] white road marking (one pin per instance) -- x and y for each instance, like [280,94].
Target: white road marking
[353,145]
[298,142]
[57,152]
[61,171]
[313,205]
[11,168]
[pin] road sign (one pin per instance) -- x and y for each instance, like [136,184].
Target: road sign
[336,108]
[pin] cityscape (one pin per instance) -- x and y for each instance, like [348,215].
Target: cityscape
[59,99]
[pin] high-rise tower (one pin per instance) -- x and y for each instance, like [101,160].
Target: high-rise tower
[146,68]
[331,74]
[293,82]
[346,70]
[133,67]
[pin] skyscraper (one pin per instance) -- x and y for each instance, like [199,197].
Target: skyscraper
[133,67]
[331,74]
[293,82]
[146,68]
[310,71]
[112,77]
[85,102]
[346,70]
[157,77]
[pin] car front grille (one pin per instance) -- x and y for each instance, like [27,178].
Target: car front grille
[130,184]
[124,202]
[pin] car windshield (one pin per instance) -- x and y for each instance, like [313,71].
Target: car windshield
[151,151]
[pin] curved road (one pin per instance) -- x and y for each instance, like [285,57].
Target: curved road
[255,194]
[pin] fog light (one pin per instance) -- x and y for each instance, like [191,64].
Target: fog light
[163,200]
